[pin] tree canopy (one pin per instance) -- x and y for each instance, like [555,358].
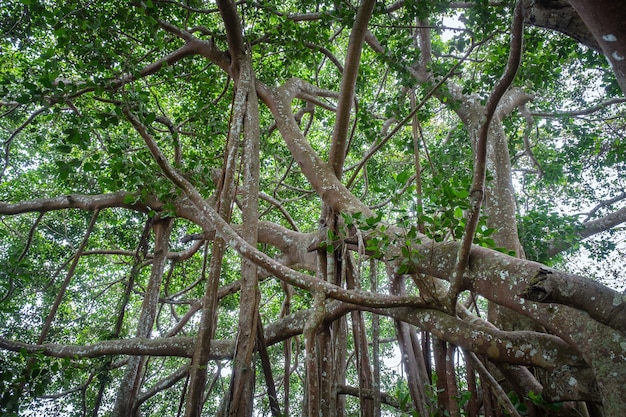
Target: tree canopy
[255,208]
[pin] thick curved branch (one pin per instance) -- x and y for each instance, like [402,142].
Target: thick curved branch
[234,35]
[501,278]
[549,287]
[338,146]
[517,347]
[80,201]
[559,15]
[477,191]
[210,219]
[605,20]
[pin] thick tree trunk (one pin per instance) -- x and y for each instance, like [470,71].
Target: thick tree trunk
[198,372]
[243,374]
[605,19]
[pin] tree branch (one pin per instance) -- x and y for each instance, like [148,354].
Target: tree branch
[560,16]
[608,30]
[538,349]
[580,112]
[338,146]
[589,229]
[477,191]
[80,201]
[210,219]
[234,35]
[9,140]
[574,291]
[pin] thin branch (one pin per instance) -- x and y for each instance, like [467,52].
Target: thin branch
[192,46]
[7,143]
[396,194]
[68,277]
[404,121]
[327,53]
[29,241]
[163,384]
[526,136]
[580,112]
[280,207]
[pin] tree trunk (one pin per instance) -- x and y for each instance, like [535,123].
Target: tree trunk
[126,400]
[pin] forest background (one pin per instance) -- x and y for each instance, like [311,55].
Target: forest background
[244,208]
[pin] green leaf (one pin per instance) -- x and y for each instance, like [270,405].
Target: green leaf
[130,199]
[64,148]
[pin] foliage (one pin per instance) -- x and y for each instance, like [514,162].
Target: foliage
[73,76]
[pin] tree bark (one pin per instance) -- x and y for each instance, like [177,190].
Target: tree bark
[128,392]
[242,381]
[605,20]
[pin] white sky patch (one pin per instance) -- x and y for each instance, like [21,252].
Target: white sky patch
[451,23]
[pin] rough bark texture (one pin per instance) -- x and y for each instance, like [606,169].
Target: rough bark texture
[126,402]
[550,334]
[605,20]
[559,15]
